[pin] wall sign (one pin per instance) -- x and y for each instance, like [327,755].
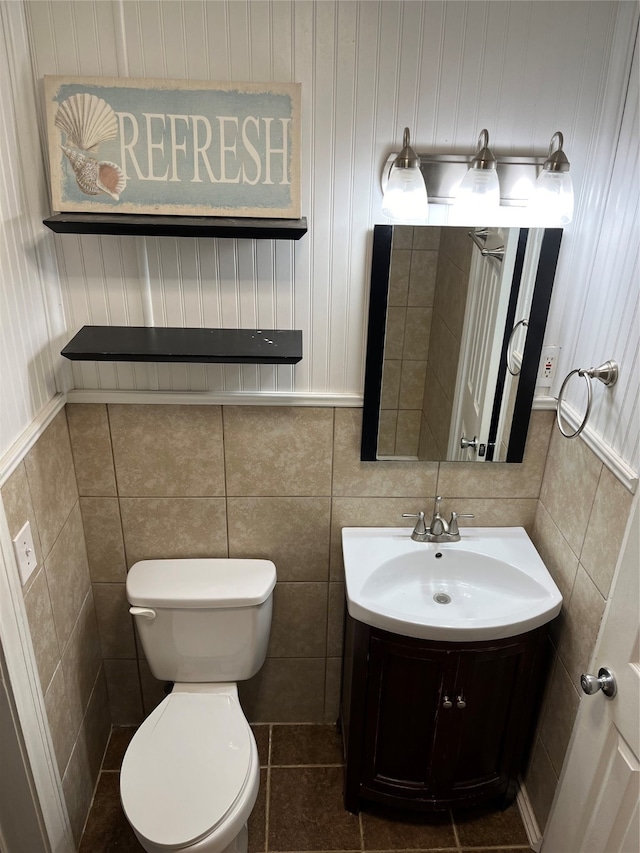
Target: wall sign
[125,145]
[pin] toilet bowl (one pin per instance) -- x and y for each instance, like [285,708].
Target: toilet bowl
[190,776]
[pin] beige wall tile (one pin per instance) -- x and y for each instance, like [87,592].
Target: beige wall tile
[299,623]
[569,487]
[399,277]
[492,512]
[426,238]
[52,481]
[332,689]
[292,532]
[167,450]
[402,236]
[278,451]
[156,528]
[125,695]
[437,408]
[390,393]
[68,576]
[427,447]
[96,726]
[387,426]
[367,512]
[456,244]
[581,625]
[556,554]
[605,531]
[416,334]
[18,508]
[114,623]
[559,716]
[502,479]
[353,477]
[42,628]
[81,660]
[91,445]
[289,690]
[422,279]
[408,432]
[335,626]
[77,785]
[103,536]
[444,353]
[541,782]
[394,333]
[63,719]
[412,384]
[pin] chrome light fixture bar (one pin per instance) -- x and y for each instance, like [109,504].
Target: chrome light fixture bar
[443,174]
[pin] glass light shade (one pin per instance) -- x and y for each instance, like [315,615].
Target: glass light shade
[552,199]
[479,190]
[405,197]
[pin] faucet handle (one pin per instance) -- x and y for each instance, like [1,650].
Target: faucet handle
[453,524]
[421,527]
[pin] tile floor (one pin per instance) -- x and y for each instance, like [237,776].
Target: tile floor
[299,806]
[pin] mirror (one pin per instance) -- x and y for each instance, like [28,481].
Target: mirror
[456,324]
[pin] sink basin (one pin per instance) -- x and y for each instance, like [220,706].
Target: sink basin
[491,584]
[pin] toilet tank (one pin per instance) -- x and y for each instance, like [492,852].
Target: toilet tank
[203,620]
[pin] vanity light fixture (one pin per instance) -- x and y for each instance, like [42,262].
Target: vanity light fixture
[552,198]
[479,190]
[405,194]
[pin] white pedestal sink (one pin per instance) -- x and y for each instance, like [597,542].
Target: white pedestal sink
[491,584]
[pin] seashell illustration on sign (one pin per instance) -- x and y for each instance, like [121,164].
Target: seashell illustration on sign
[87,121]
[96,176]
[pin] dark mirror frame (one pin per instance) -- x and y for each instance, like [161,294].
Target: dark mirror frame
[545,274]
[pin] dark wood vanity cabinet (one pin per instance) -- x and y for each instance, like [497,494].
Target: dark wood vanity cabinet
[430,725]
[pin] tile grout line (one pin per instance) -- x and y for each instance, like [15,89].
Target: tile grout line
[456,837]
[268,791]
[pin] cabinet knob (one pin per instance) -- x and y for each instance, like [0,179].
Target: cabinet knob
[460,702]
[446,702]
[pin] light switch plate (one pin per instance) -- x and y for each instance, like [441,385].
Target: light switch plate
[25,553]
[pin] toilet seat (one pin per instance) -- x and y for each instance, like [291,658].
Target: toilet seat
[186,768]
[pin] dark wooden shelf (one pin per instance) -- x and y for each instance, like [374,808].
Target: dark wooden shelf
[176,226]
[155,343]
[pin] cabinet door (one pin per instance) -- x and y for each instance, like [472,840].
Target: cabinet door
[492,685]
[403,713]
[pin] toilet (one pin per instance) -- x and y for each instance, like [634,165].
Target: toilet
[189,778]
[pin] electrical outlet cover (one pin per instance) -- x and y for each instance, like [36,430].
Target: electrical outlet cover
[25,553]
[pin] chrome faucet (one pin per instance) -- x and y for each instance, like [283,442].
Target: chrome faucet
[439,530]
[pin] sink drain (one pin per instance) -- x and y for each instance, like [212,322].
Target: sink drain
[442,598]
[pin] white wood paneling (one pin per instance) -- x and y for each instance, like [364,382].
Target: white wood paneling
[27,380]
[603,306]
[367,69]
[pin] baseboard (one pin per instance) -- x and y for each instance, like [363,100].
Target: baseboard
[534,836]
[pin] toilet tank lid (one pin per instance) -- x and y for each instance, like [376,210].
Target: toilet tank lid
[200,583]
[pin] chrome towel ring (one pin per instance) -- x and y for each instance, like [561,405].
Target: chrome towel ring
[525,325]
[607,373]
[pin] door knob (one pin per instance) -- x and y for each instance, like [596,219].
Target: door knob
[469,442]
[461,702]
[604,681]
[446,702]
